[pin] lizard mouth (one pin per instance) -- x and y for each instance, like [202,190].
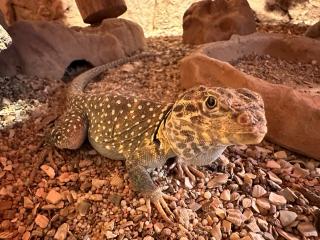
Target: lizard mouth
[251,136]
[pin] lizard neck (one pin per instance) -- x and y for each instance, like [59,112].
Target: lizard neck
[164,142]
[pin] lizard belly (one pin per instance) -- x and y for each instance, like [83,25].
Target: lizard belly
[109,153]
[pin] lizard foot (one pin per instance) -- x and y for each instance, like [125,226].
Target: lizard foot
[190,171]
[158,198]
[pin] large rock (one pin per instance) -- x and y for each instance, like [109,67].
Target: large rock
[46,49]
[5,39]
[156,17]
[210,21]
[313,31]
[293,116]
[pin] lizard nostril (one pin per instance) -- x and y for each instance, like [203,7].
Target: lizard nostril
[244,119]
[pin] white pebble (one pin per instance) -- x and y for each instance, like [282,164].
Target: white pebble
[207,195]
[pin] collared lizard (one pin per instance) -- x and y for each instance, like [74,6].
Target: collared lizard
[196,128]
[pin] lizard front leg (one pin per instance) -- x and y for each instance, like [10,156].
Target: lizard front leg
[142,182]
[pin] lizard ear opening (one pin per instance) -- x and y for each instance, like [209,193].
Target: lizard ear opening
[75,68]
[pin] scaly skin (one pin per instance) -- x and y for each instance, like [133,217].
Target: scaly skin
[196,129]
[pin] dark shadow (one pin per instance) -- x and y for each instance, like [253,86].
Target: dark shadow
[282,6]
[75,68]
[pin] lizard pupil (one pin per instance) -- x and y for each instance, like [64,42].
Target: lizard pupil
[211,102]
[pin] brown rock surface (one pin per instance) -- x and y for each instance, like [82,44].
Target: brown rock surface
[292,115]
[46,48]
[210,21]
[156,17]
[97,10]
[313,31]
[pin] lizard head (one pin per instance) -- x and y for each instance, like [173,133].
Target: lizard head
[206,118]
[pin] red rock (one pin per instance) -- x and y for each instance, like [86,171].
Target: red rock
[209,21]
[42,221]
[288,111]
[57,46]
[53,197]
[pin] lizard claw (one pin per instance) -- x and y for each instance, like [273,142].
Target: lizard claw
[158,198]
[190,171]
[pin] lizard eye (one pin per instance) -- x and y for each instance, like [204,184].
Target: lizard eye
[211,102]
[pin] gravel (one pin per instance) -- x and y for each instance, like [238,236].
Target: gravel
[250,193]
[301,76]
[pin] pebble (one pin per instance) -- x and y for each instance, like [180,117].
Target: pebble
[307,229]
[207,195]
[48,170]
[53,197]
[98,183]
[27,203]
[62,232]
[277,199]
[273,164]
[218,180]
[280,155]
[225,195]
[158,227]
[274,178]
[258,191]
[287,217]
[42,221]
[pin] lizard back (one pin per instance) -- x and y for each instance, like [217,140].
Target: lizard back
[119,124]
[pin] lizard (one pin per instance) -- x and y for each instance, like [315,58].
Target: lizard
[196,128]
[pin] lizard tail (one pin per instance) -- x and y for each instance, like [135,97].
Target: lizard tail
[80,82]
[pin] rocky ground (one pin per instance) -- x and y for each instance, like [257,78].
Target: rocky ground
[252,192]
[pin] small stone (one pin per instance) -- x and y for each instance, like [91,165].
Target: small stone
[6,235]
[110,235]
[48,170]
[307,229]
[26,236]
[247,214]
[253,226]
[246,202]
[83,208]
[286,235]
[27,203]
[273,164]
[263,224]
[274,178]
[218,180]
[158,227]
[62,232]
[221,213]
[216,231]
[234,236]
[277,199]
[287,217]
[116,181]
[289,194]
[53,197]
[42,221]
[255,236]
[280,155]
[64,177]
[235,216]
[226,226]
[166,231]
[98,183]
[207,195]
[263,204]
[225,195]
[258,191]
